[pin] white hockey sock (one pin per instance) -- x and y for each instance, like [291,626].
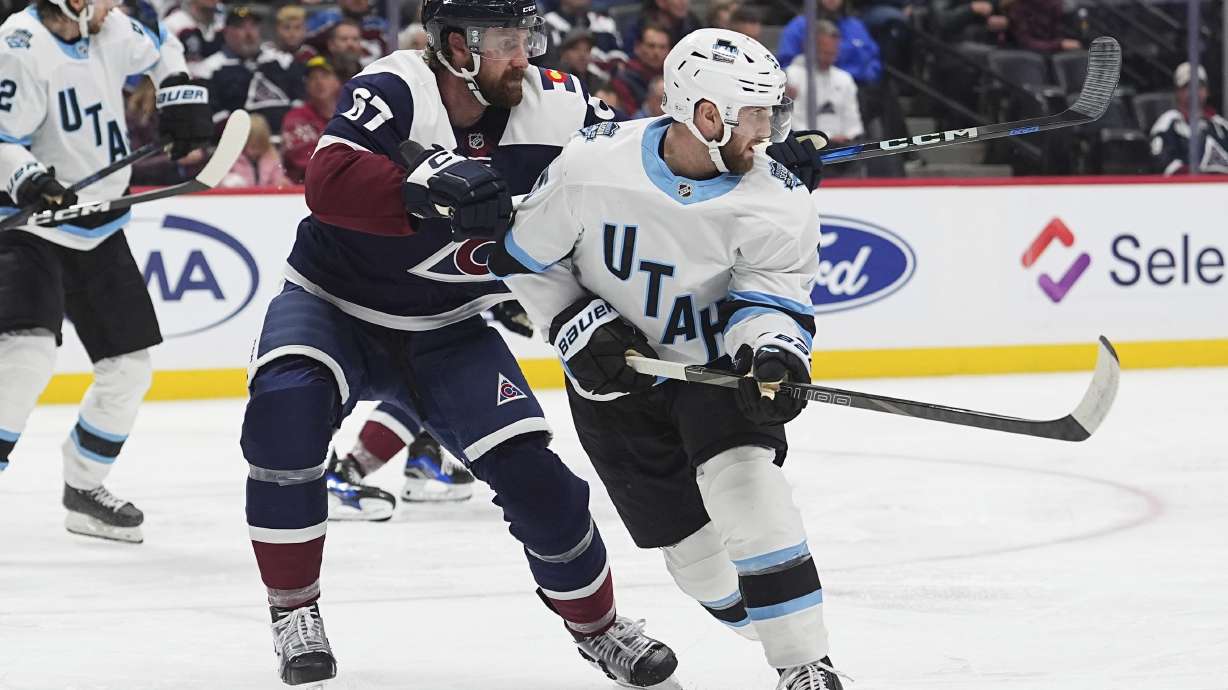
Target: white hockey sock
[702,569]
[26,361]
[751,505]
[107,414]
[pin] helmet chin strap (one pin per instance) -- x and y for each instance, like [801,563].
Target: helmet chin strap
[470,76]
[714,147]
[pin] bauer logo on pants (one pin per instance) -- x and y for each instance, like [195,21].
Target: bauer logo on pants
[859,263]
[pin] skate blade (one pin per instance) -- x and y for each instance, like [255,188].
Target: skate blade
[86,526]
[670,683]
[369,510]
[431,491]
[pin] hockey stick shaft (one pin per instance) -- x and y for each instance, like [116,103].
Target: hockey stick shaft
[1076,426]
[20,216]
[229,148]
[1103,71]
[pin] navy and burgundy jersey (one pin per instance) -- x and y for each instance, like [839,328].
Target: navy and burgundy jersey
[360,250]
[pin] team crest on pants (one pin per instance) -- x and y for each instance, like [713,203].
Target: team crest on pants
[508,391]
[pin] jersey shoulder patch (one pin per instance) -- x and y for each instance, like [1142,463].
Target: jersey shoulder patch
[18,39]
[601,129]
[784,175]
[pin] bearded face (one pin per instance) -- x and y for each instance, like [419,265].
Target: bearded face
[502,81]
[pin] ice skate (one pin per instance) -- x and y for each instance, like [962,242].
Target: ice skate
[99,513]
[349,498]
[431,477]
[628,656]
[814,676]
[303,653]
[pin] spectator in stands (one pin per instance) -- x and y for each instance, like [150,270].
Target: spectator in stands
[837,113]
[859,54]
[651,106]
[1037,25]
[260,164]
[290,31]
[576,57]
[720,14]
[244,75]
[631,83]
[373,29]
[976,21]
[672,15]
[198,26]
[747,19]
[610,97]
[302,126]
[571,15]
[344,49]
[1170,135]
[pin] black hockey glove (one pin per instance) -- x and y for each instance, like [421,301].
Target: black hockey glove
[442,184]
[770,364]
[42,191]
[513,317]
[184,116]
[593,341]
[799,152]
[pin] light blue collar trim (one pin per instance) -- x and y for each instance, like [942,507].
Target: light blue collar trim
[684,190]
[78,50]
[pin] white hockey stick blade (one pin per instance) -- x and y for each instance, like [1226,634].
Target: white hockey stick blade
[229,147]
[1099,397]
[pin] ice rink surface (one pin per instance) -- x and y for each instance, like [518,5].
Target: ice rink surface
[951,558]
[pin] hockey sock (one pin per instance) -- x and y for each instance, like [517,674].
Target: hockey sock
[286,431]
[546,507]
[751,506]
[26,361]
[385,433]
[702,570]
[107,414]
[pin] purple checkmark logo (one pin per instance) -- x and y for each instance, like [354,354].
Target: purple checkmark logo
[1056,230]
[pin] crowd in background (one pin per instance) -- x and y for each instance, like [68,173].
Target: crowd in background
[286,64]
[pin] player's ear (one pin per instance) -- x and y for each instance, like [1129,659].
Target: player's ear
[458,50]
[708,120]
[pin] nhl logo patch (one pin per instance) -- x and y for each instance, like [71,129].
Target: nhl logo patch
[685,190]
[476,140]
[508,391]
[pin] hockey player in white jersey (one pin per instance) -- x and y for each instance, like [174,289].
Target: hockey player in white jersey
[679,238]
[62,68]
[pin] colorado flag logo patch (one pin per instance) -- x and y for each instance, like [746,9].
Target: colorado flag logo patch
[508,391]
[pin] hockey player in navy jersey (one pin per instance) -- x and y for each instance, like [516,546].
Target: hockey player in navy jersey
[63,64]
[677,238]
[385,287]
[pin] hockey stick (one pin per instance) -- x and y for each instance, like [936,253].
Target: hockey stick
[1103,70]
[229,147]
[19,217]
[1076,426]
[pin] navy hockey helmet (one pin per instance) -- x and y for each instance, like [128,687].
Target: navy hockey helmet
[473,19]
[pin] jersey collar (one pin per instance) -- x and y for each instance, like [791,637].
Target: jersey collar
[683,190]
[77,50]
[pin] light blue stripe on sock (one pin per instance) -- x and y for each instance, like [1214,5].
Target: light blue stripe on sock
[89,454]
[792,606]
[723,603]
[106,436]
[10,436]
[750,566]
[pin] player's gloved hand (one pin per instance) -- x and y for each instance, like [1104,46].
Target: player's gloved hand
[769,364]
[799,152]
[513,317]
[475,196]
[184,116]
[41,190]
[593,342]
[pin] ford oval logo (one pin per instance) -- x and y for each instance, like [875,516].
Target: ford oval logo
[859,263]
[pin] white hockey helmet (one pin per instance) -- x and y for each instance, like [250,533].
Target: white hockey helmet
[82,18]
[735,73]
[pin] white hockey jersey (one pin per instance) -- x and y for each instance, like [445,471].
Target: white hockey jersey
[702,267]
[61,105]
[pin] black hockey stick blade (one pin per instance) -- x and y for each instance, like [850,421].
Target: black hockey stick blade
[229,148]
[1076,426]
[1103,71]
